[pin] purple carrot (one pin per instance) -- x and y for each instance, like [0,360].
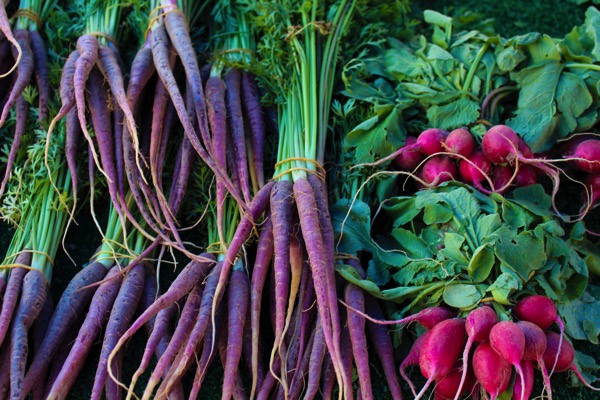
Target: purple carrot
[87,45]
[5,369]
[183,167]
[69,310]
[72,136]
[354,296]
[380,338]
[33,296]
[59,360]
[204,361]
[6,30]
[267,384]
[328,378]
[236,118]
[281,214]
[253,110]
[264,254]
[40,58]
[38,331]
[181,362]
[12,293]
[95,320]
[182,331]
[24,72]
[193,273]
[237,391]
[142,69]
[299,378]
[237,307]
[120,316]
[347,357]
[22,109]
[98,101]
[118,149]
[323,269]
[317,357]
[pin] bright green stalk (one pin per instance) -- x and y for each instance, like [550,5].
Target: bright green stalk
[104,19]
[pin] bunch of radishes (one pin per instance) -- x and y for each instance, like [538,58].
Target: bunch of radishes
[500,347]
[502,160]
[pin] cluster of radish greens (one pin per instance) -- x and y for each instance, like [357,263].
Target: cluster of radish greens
[281,187]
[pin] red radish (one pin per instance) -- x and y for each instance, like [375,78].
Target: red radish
[592,182]
[411,158]
[428,317]
[438,169]
[562,355]
[535,347]
[518,392]
[524,149]
[413,359]
[475,169]
[500,144]
[589,151]
[508,340]
[541,311]
[478,325]
[451,387]
[441,349]
[460,141]
[431,141]
[501,177]
[492,371]
[526,176]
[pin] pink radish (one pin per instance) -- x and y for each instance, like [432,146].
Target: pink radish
[535,346]
[431,141]
[441,349]
[460,141]
[524,149]
[451,387]
[478,325]
[501,177]
[492,371]
[526,176]
[562,356]
[508,340]
[541,311]
[413,359]
[589,151]
[518,392]
[410,158]
[592,182]
[475,169]
[438,169]
[500,144]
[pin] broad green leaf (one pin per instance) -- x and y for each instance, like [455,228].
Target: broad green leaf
[592,28]
[437,214]
[521,252]
[378,136]
[453,244]
[582,318]
[401,209]
[352,230]
[351,275]
[503,287]
[485,227]
[414,246]
[399,294]
[481,263]
[461,112]
[435,18]
[462,296]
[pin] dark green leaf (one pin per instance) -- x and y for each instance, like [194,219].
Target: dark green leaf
[582,318]
[481,264]
[521,252]
[503,287]
[461,112]
[352,230]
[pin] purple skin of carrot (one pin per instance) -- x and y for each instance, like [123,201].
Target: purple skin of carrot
[5,370]
[253,109]
[72,136]
[204,361]
[237,306]
[95,319]
[38,331]
[11,295]
[22,109]
[24,72]
[323,270]
[59,360]
[2,287]
[236,118]
[347,357]
[303,369]
[183,167]
[40,58]
[268,383]
[159,109]
[237,392]
[317,356]
[328,378]
[87,45]
[33,296]
[142,69]
[231,163]
[262,262]
[281,214]
[98,101]
[69,310]
[356,327]
[118,142]
[181,333]
[66,89]
[380,338]
[121,315]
